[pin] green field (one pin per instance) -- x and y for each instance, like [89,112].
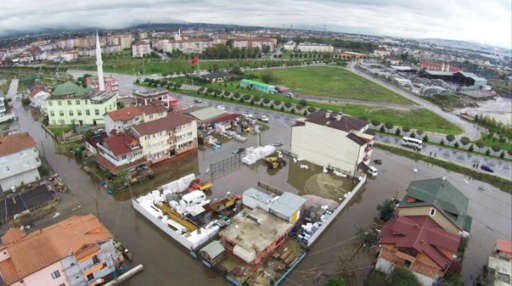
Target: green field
[332,81]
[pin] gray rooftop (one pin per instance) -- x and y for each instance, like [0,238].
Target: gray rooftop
[258,195]
[206,114]
[287,204]
[213,249]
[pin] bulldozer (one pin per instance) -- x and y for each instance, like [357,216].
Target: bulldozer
[274,162]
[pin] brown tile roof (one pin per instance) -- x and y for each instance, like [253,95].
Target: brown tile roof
[12,235]
[121,143]
[358,140]
[126,113]
[15,143]
[422,234]
[168,123]
[49,245]
[346,123]
[152,108]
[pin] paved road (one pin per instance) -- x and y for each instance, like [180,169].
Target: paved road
[470,130]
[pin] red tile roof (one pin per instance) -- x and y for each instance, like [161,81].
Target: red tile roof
[504,245]
[126,113]
[152,108]
[167,123]
[226,117]
[42,248]
[15,143]
[422,234]
[120,144]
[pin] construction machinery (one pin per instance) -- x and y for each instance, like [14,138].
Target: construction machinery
[198,185]
[274,162]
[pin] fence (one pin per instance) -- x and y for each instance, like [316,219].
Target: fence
[336,212]
[225,166]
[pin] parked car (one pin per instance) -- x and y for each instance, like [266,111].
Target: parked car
[247,115]
[486,168]
[198,101]
[221,107]
[263,118]
[378,161]
[373,171]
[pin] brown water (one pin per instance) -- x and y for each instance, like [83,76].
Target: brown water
[167,263]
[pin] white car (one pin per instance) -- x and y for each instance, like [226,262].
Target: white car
[221,107]
[248,115]
[373,171]
[263,118]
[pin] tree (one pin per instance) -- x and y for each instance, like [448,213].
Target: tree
[450,137]
[335,281]
[375,122]
[389,125]
[397,132]
[464,140]
[456,145]
[403,277]
[386,209]
[368,236]
[471,148]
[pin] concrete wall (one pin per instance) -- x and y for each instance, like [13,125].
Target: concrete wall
[336,212]
[59,111]
[438,217]
[324,146]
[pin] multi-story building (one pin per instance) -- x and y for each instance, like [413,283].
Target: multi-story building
[19,160]
[149,96]
[166,137]
[76,251]
[71,104]
[499,266]
[141,49]
[186,46]
[289,46]
[333,140]
[348,55]
[110,83]
[119,152]
[419,244]
[314,47]
[440,200]
[121,120]
[254,43]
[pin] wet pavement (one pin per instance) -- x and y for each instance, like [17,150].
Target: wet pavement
[166,262]
[500,167]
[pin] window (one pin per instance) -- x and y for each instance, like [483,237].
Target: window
[52,113]
[432,212]
[97,111]
[55,274]
[70,102]
[60,102]
[61,113]
[79,112]
[71,113]
[50,103]
[95,259]
[87,112]
[77,102]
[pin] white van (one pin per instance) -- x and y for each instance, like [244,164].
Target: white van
[193,198]
[372,171]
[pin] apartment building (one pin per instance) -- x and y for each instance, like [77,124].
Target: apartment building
[166,137]
[119,152]
[140,49]
[333,140]
[254,43]
[121,120]
[314,47]
[186,46]
[19,160]
[76,251]
[71,104]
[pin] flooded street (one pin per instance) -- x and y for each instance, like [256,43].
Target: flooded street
[167,263]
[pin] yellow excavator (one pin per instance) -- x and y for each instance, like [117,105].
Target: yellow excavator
[274,162]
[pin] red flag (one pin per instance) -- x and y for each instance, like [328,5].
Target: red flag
[195,60]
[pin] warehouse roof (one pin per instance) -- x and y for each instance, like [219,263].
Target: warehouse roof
[207,114]
[287,204]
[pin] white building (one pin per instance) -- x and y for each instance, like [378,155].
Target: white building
[122,119]
[188,46]
[314,47]
[333,140]
[289,46]
[140,49]
[19,160]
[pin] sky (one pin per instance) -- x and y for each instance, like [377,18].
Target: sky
[481,21]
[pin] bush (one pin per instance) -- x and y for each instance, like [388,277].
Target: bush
[403,277]
[386,209]
[412,135]
[382,129]
[456,145]
[311,109]
[287,104]
[375,122]
[419,132]
[479,144]
[450,137]
[471,148]
[495,148]
[488,152]
[406,129]
[389,125]
[303,102]
[335,281]
[397,132]
[502,155]
[442,142]
[464,140]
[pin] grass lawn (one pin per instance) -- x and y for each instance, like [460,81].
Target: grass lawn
[333,81]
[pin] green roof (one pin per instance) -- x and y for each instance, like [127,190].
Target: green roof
[444,196]
[69,88]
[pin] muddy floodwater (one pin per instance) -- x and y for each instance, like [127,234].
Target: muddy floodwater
[167,263]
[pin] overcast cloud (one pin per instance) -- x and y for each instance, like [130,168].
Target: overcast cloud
[482,21]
